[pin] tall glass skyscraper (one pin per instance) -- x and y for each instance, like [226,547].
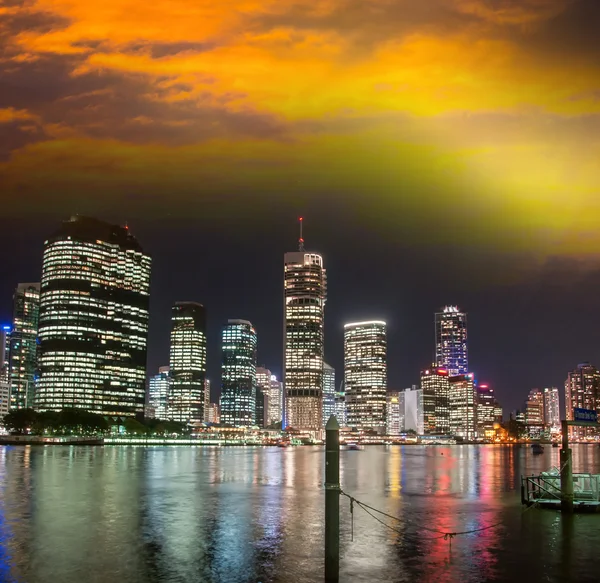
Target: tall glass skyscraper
[23,347]
[582,391]
[187,363]
[463,406]
[238,374]
[93,323]
[328,392]
[451,340]
[305,291]
[158,392]
[436,410]
[365,374]
[552,410]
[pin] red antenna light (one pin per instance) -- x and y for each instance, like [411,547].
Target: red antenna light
[301,240]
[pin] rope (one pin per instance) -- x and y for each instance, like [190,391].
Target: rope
[442,534]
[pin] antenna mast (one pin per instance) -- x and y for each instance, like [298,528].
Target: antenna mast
[301,240]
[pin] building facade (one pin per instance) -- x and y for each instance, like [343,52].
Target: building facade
[93,320]
[395,413]
[305,292]
[534,413]
[187,363]
[486,411]
[328,392]
[23,346]
[463,407]
[238,374]
[436,412]
[214,414]
[552,410]
[582,391]
[158,393]
[413,410]
[365,374]
[451,350]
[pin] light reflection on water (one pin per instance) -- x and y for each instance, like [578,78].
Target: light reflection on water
[229,515]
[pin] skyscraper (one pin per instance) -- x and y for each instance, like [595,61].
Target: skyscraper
[93,321]
[340,406]
[238,374]
[365,374]
[23,348]
[206,399]
[158,393]
[395,413]
[187,363]
[463,407]
[413,410]
[486,411]
[273,392]
[552,410]
[451,340]
[328,392]
[582,391]
[4,351]
[436,410]
[305,291]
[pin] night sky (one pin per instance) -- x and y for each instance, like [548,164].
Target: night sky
[443,151]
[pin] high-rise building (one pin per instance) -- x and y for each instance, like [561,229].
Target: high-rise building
[187,363]
[463,407]
[451,340]
[4,397]
[582,391]
[552,410]
[436,412]
[305,291]
[395,413]
[340,406]
[206,399]
[328,392]
[23,347]
[158,393]
[365,374]
[534,413]
[238,374]
[4,351]
[413,410]
[486,411]
[275,402]
[93,321]
[214,414]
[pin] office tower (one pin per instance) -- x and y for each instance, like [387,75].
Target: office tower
[534,413]
[328,392]
[187,363]
[263,390]
[413,410]
[582,391]
[365,374]
[158,393]
[206,399]
[238,374]
[498,415]
[486,411]
[214,415]
[395,413]
[463,407]
[305,291]
[436,412]
[4,351]
[4,398]
[340,406]
[23,348]
[275,402]
[451,340]
[551,410]
[93,322]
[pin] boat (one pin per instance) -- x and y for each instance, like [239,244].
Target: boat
[537,448]
[283,444]
[353,447]
[555,444]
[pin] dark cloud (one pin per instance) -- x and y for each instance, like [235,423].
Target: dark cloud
[160,50]
[18,133]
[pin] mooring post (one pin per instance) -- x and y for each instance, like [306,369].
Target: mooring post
[566,472]
[332,501]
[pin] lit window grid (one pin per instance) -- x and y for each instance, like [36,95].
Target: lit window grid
[304,298]
[328,393]
[365,373]
[93,293]
[158,394]
[451,342]
[463,407]
[436,407]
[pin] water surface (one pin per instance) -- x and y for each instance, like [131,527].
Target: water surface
[252,514]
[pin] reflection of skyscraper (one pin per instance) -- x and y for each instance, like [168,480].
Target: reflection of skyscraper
[93,322]
[328,392]
[187,362]
[158,392]
[23,348]
[304,302]
[551,410]
[436,410]
[451,340]
[365,374]
[238,374]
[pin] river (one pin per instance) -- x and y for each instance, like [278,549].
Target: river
[255,515]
